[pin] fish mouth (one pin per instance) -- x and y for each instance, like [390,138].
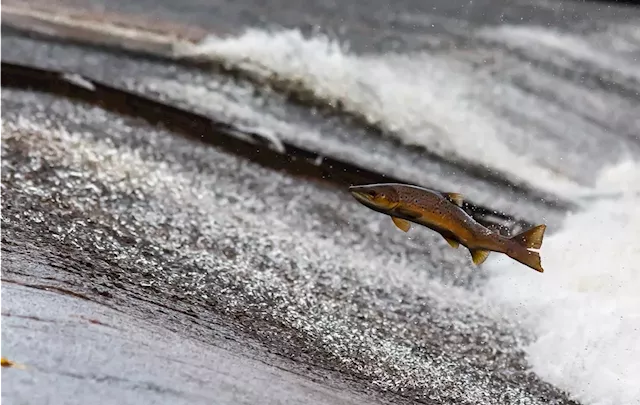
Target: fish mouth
[371,197]
[364,197]
[361,195]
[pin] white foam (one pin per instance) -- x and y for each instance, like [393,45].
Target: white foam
[584,311]
[420,99]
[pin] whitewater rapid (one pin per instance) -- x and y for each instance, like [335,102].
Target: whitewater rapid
[416,98]
[583,313]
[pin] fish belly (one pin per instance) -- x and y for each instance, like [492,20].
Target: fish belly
[448,227]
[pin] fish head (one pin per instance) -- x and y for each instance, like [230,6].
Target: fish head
[379,197]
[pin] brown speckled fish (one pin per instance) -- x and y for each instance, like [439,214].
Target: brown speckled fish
[442,212]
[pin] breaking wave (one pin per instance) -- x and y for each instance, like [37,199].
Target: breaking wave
[416,98]
[584,311]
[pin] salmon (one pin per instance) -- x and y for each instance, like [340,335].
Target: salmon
[443,213]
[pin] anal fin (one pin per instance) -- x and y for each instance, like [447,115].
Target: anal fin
[402,224]
[455,198]
[479,256]
[453,243]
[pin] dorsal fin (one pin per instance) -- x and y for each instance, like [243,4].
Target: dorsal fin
[479,256]
[455,198]
[531,238]
[402,224]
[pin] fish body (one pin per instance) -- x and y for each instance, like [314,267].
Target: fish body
[442,213]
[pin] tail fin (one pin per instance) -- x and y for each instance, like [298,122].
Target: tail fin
[528,258]
[531,238]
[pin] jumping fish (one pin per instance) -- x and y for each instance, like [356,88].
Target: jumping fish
[443,213]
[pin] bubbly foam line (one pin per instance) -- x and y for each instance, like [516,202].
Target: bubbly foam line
[160,179]
[585,309]
[417,98]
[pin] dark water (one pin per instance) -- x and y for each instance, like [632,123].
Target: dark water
[539,96]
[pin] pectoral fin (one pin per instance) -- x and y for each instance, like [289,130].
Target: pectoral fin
[479,256]
[453,243]
[455,198]
[402,224]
